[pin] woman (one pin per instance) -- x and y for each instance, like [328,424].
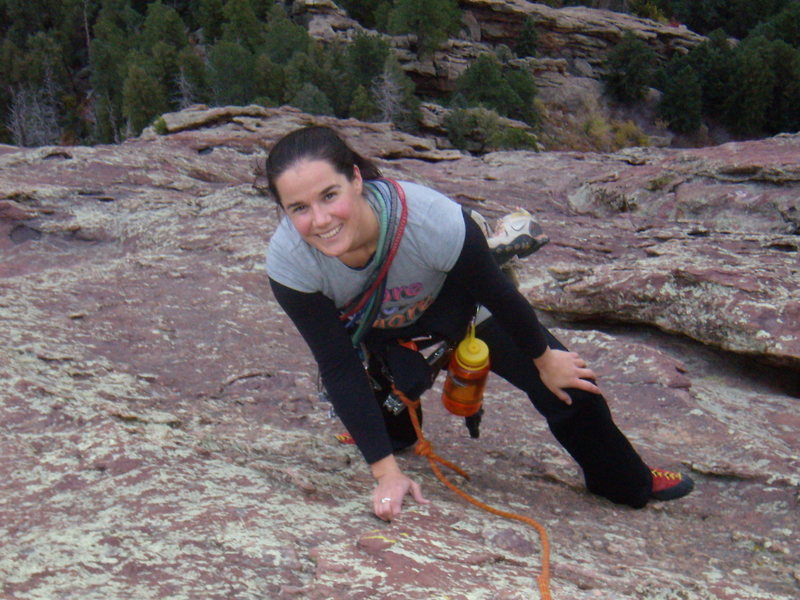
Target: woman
[341,220]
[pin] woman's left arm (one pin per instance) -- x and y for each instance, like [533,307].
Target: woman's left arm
[477,272]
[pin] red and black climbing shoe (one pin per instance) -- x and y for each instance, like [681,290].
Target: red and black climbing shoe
[668,485]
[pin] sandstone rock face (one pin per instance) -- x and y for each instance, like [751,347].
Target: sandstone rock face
[712,224]
[574,42]
[575,32]
[324,19]
[162,437]
[580,36]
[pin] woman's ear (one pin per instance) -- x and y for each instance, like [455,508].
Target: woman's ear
[358,180]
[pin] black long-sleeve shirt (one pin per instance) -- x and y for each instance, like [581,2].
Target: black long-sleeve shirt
[475,276]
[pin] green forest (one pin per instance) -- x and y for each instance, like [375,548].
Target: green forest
[98,71]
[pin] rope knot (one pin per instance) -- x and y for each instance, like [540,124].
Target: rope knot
[423,448]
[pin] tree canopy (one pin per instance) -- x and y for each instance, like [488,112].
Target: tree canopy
[99,70]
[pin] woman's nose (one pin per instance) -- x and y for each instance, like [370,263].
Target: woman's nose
[320,215]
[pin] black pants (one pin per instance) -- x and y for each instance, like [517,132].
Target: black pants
[611,467]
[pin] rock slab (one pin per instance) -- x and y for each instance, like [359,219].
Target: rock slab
[162,436]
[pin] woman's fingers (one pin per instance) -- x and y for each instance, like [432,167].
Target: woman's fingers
[585,385]
[387,499]
[386,508]
[416,493]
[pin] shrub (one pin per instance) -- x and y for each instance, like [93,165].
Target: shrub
[513,138]
[610,136]
[471,128]
[363,107]
[479,129]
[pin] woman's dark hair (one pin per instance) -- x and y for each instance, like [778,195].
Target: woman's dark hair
[315,143]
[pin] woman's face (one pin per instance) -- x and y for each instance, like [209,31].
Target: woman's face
[326,208]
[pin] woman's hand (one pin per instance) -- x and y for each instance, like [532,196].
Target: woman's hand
[560,370]
[387,497]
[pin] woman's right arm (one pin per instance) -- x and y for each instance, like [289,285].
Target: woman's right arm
[346,381]
[342,372]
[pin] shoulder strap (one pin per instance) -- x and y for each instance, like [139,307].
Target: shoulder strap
[363,309]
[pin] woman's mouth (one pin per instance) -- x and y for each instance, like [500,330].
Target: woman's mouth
[329,234]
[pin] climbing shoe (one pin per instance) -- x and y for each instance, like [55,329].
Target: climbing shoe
[516,234]
[481,221]
[668,485]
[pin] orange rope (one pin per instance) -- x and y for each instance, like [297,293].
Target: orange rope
[424,448]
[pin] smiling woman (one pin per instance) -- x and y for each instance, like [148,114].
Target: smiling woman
[363,262]
[329,211]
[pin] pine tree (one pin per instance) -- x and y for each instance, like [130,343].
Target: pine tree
[527,40]
[312,100]
[211,17]
[283,37]
[521,82]
[471,128]
[629,69]
[783,114]
[143,99]
[784,25]
[269,80]
[432,21]
[753,84]
[242,26]
[745,15]
[114,35]
[231,74]
[326,68]
[29,17]
[702,16]
[366,56]
[713,62]
[681,103]
[44,57]
[191,83]
[393,94]
[483,83]
[509,92]
[337,80]
[163,25]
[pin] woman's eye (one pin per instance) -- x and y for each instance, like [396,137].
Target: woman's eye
[330,196]
[297,209]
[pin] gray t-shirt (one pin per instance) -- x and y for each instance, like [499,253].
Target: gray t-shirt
[431,244]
